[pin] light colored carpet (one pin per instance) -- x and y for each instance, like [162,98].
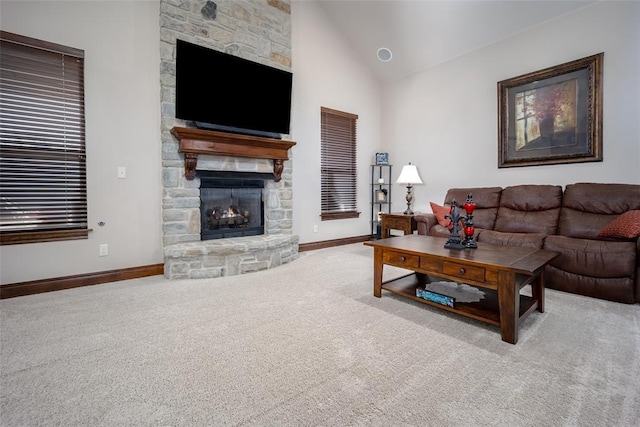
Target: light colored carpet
[307,344]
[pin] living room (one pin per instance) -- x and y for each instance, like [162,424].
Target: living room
[306,343]
[415,119]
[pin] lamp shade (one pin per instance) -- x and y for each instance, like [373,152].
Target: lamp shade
[409,175]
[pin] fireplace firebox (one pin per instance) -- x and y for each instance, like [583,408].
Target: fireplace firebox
[231,204]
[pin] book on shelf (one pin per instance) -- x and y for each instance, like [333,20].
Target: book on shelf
[435,297]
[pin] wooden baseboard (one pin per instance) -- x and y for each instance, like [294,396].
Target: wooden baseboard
[59,283]
[330,243]
[56,284]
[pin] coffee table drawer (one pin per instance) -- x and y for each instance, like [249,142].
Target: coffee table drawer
[400,259]
[463,271]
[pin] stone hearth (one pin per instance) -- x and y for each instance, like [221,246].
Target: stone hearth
[229,257]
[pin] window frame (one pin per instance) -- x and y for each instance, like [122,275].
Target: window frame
[73,165]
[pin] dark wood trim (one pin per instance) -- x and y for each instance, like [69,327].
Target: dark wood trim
[339,215]
[56,284]
[41,44]
[20,237]
[338,113]
[330,243]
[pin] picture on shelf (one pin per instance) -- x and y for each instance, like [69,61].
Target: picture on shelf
[436,297]
[382,158]
[381,196]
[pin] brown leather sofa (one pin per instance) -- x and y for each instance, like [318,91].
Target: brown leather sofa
[570,222]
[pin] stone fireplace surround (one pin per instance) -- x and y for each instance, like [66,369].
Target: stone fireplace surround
[186,256]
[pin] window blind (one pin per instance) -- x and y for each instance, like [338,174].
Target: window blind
[42,140]
[338,164]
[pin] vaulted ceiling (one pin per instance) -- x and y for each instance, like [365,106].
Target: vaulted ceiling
[422,33]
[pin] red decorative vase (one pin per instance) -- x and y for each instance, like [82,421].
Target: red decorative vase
[469,230]
[469,207]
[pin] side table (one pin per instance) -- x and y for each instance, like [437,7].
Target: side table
[397,221]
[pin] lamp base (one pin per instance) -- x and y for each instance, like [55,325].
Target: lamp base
[409,199]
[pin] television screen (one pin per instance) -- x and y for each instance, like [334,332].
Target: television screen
[222,91]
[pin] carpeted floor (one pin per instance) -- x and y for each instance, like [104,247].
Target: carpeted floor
[307,344]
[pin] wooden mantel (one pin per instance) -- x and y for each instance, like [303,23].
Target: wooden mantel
[198,141]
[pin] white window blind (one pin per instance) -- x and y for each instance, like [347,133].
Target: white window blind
[42,141]
[338,164]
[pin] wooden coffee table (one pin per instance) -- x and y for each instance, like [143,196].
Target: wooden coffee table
[502,271]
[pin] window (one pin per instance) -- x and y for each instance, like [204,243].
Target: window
[338,164]
[42,141]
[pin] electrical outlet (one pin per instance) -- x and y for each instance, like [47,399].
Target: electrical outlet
[122,172]
[315,228]
[104,249]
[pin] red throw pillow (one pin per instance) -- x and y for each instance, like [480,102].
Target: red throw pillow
[626,226]
[440,212]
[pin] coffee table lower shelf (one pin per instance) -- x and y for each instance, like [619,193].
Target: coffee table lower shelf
[486,310]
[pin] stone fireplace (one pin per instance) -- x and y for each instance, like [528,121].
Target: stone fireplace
[260,31]
[210,157]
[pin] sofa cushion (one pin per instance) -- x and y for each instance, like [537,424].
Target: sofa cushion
[626,226]
[487,200]
[529,240]
[619,289]
[588,207]
[594,258]
[529,209]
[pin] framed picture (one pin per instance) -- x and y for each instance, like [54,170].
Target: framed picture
[381,196]
[552,116]
[382,158]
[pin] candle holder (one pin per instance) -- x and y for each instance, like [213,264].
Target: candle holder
[469,241]
[455,241]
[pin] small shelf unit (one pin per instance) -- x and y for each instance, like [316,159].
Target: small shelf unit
[380,195]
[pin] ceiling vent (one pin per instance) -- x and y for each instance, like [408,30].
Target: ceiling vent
[384,54]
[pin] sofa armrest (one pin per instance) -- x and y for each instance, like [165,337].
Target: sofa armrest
[424,222]
[637,281]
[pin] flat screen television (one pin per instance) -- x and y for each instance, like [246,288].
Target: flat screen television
[225,92]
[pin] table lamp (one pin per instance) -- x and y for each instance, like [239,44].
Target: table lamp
[409,175]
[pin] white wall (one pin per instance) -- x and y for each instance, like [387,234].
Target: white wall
[327,74]
[121,44]
[444,119]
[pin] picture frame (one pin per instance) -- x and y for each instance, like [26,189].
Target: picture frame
[381,196]
[552,116]
[382,158]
